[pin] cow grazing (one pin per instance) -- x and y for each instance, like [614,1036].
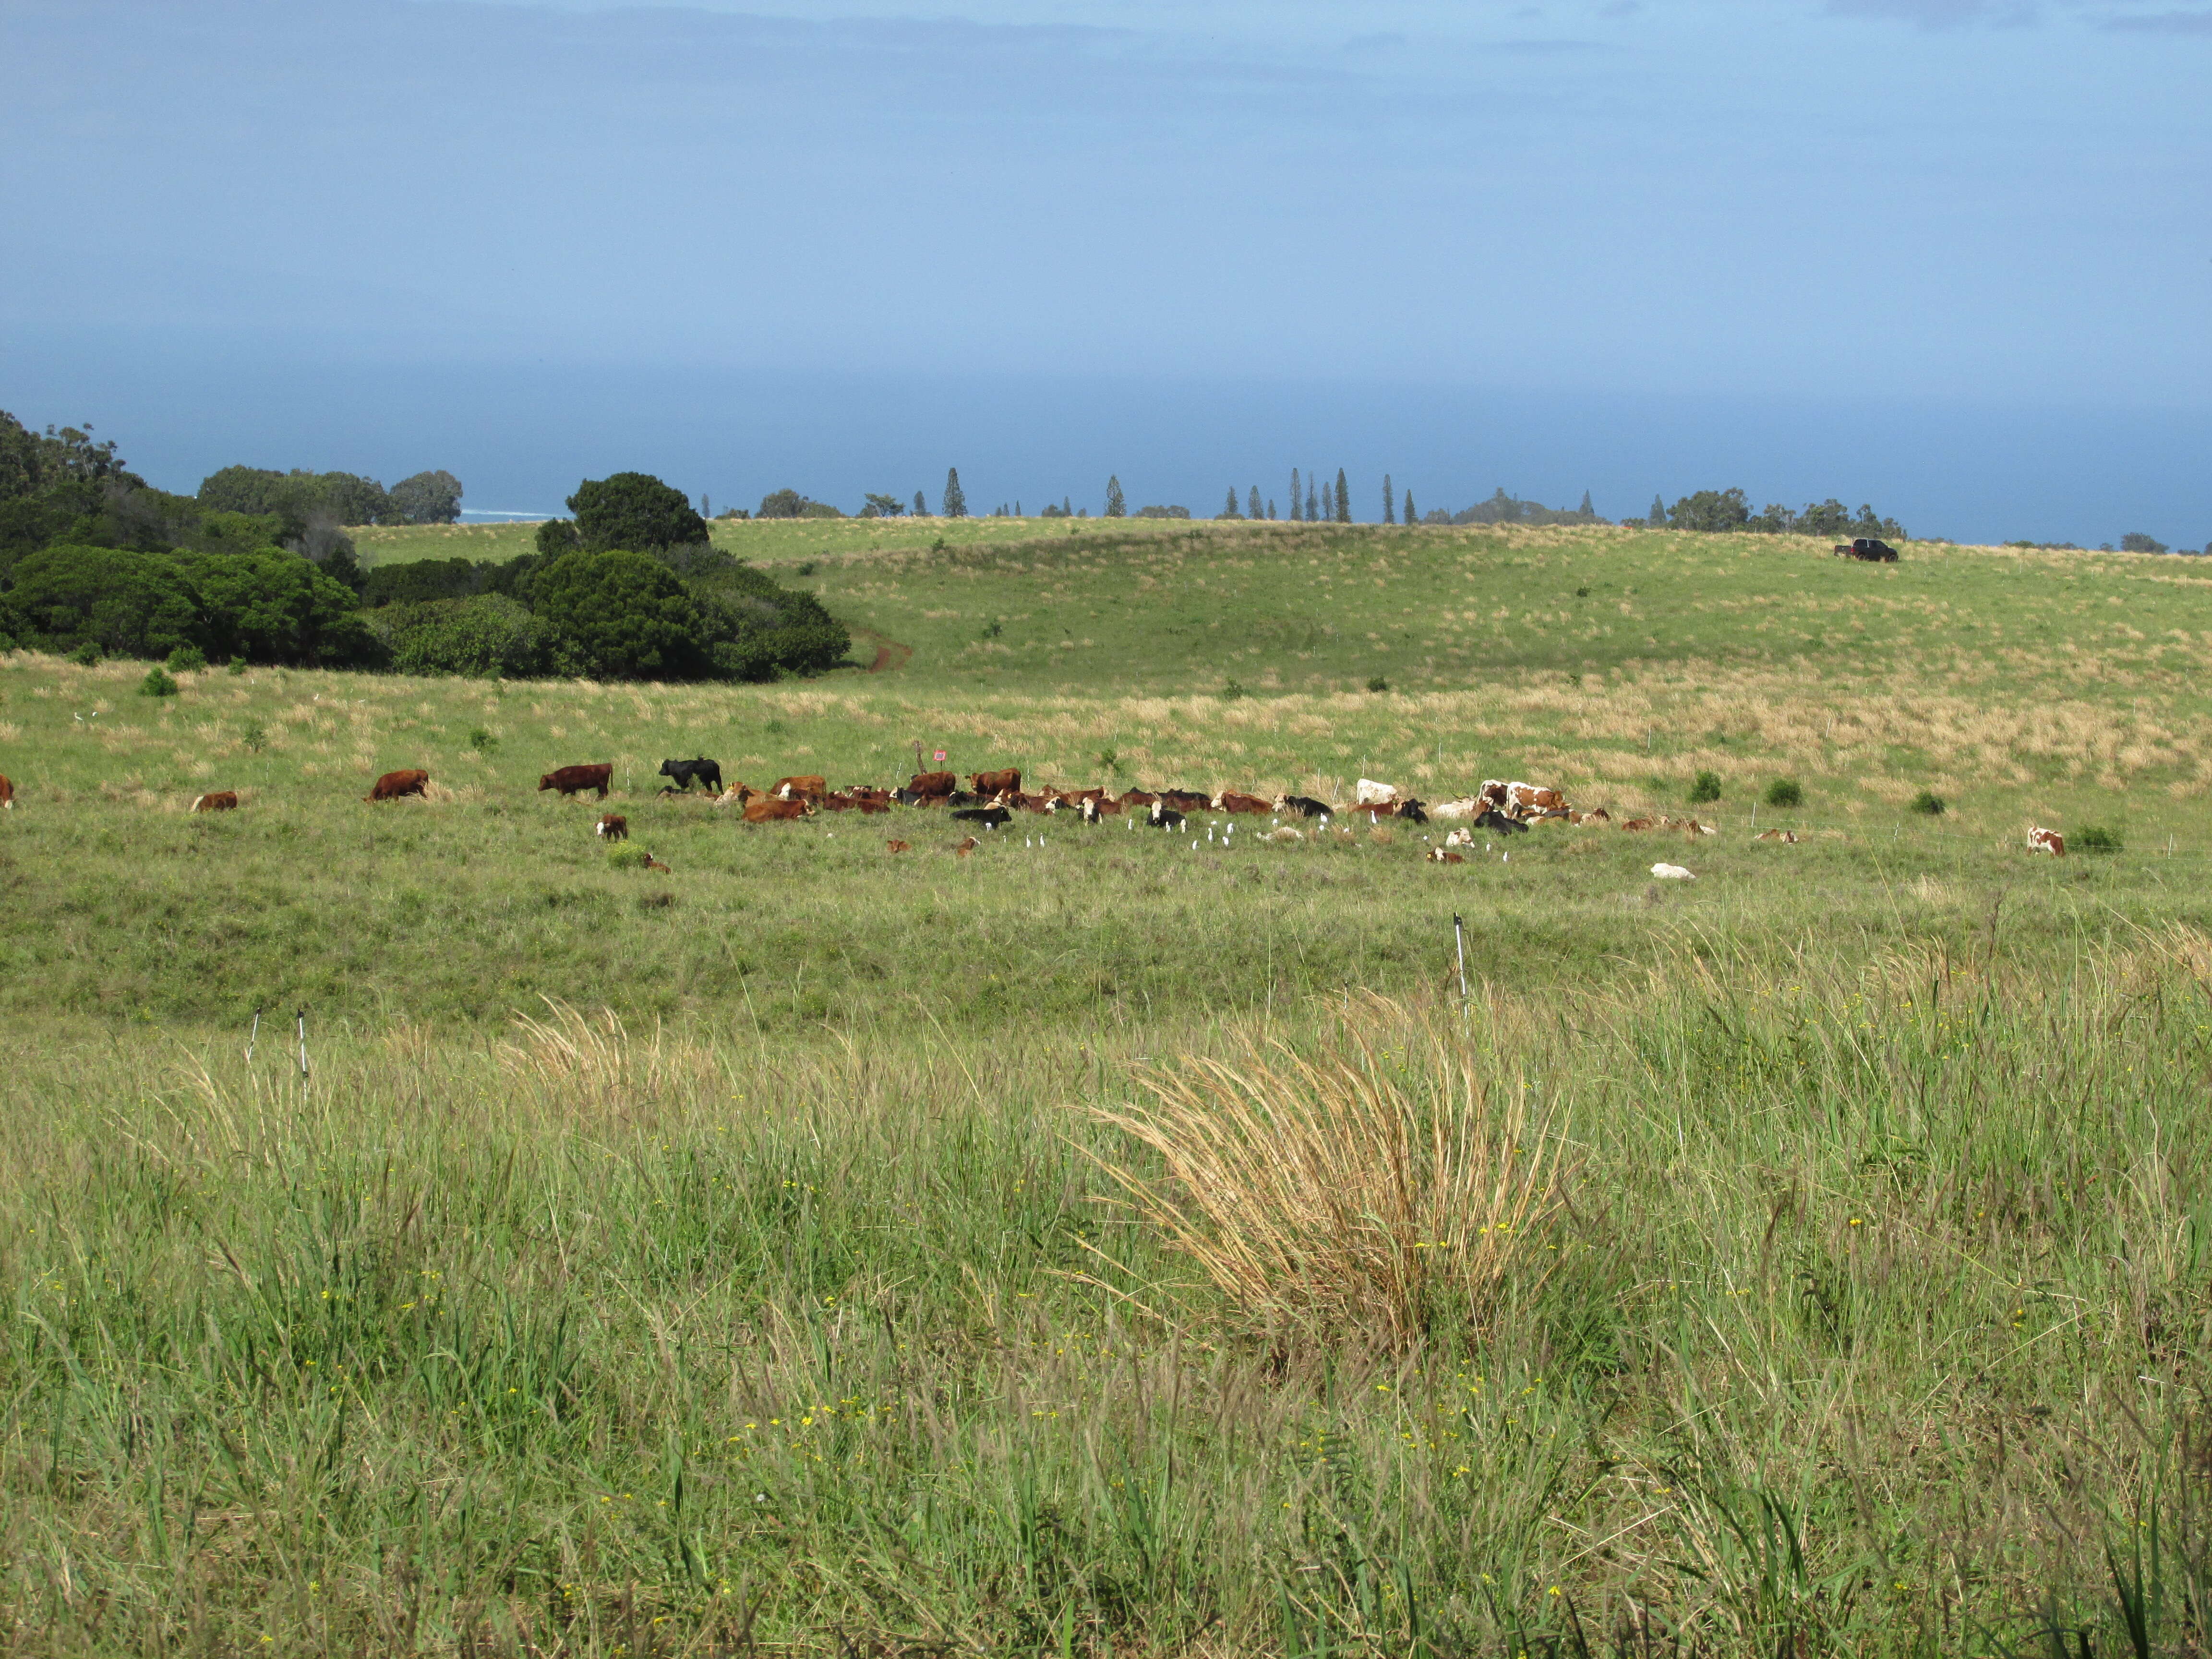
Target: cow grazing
[898,847]
[1439,856]
[1230,801]
[392,785]
[800,788]
[568,780]
[6,793]
[1163,816]
[1008,781]
[707,773]
[221,801]
[931,786]
[1491,819]
[2046,840]
[1303,806]
[611,826]
[989,817]
[769,808]
[1096,808]
[1371,793]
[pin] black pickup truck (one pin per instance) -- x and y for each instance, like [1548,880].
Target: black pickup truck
[1866,547]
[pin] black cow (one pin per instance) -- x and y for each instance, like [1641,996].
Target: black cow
[989,817]
[1305,806]
[1413,811]
[1491,818]
[705,771]
[1165,817]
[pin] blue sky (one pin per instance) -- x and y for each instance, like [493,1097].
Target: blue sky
[1950,256]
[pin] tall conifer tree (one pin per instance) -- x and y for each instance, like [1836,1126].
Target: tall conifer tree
[1294,495]
[1658,511]
[1252,506]
[1390,502]
[921,506]
[1117,504]
[1410,519]
[1343,498]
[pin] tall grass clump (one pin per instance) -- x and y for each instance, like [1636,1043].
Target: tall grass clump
[1371,1187]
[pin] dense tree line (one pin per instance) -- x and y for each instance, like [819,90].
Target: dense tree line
[1716,511]
[630,589]
[342,498]
[93,560]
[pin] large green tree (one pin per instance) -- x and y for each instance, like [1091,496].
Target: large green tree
[636,511]
[956,499]
[428,498]
[1343,498]
[1117,504]
[618,614]
[127,603]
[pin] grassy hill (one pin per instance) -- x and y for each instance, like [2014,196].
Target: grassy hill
[670,1262]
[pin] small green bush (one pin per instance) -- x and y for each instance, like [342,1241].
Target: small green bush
[254,736]
[1706,786]
[1929,803]
[1232,691]
[237,666]
[157,683]
[2095,838]
[186,659]
[626,857]
[482,741]
[1784,792]
[85,655]
[1378,683]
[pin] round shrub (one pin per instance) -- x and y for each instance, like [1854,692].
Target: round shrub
[2095,838]
[1929,803]
[85,655]
[626,857]
[157,683]
[1705,788]
[1378,683]
[186,659]
[1784,792]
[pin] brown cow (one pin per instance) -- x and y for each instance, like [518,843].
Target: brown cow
[1186,800]
[800,788]
[898,845]
[1134,798]
[652,863]
[1595,815]
[570,778]
[991,783]
[221,801]
[965,847]
[612,826]
[7,793]
[766,809]
[1438,856]
[392,785]
[2046,840]
[1638,824]
[1230,801]
[932,785]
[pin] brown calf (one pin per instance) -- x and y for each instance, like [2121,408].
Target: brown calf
[392,785]
[766,809]
[612,826]
[220,801]
[570,778]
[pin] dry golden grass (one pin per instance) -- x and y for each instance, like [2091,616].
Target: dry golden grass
[1367,1189]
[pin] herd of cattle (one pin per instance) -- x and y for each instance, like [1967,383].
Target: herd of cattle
[992,799]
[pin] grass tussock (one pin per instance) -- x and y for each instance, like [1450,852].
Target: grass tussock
[1370,1189]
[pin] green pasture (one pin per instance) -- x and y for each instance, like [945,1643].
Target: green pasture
[784,1252]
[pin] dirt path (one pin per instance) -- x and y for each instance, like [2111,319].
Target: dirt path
[890,654]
